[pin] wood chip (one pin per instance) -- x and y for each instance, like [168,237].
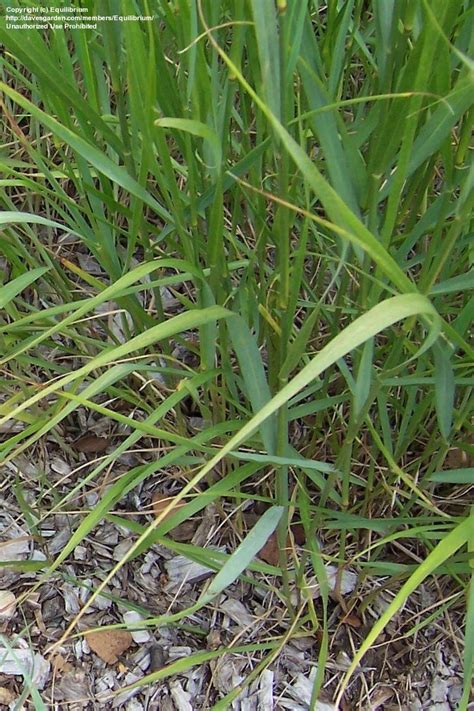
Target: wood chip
[91,444]
[380,697]
[213,639]
[23,661]
[182,570]
[181,698]
[109,644]
[184,532]
[237,612]
[7,604]
[265,692]
[73,688]
[340,583]
[302,689]
[157,658]
[15,549]
[139,636]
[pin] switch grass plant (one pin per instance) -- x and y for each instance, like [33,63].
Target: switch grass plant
[298,176]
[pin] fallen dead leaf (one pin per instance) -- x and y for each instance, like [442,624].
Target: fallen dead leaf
[458,458]
[160,502]
[91,444]
[299,535]
[184,531]
[380,697]
[351,620]
[109,644]
[6,696]
[61,666]
[270,551]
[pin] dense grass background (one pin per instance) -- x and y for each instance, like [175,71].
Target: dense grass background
[296,176]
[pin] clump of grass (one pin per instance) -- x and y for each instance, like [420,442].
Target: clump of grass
[297,176]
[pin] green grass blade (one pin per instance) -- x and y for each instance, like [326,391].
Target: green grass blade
[266,30]
[444,387]
[253,373]
[244,553]
[454,476]
[14,287]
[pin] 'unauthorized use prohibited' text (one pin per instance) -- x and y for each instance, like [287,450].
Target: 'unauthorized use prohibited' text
[61,18]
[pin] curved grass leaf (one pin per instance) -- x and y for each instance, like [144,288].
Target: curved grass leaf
[16,286]
[196,128]
[441,553]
